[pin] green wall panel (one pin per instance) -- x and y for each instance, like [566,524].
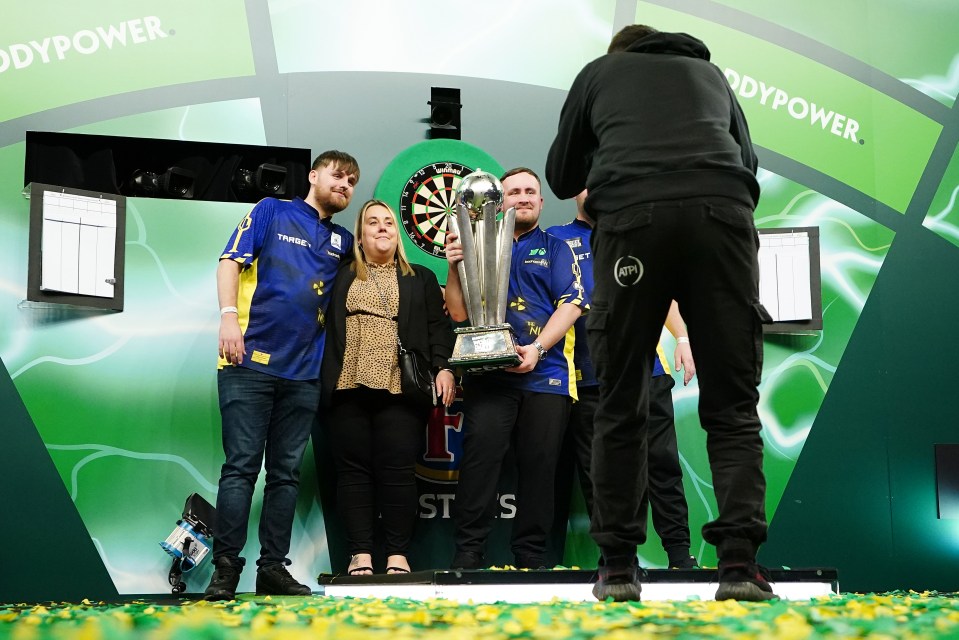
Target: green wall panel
[115,417]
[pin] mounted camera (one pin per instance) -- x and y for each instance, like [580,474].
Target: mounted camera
[191,540]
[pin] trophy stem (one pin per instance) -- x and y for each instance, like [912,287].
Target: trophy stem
[479,288]
[504,254]
[490,260]
[468,269]
[454,228]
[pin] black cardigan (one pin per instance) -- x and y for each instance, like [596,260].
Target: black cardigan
[423,325]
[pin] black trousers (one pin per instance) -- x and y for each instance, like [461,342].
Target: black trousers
[498,416]
[376,437]
[703,254]
[665,494]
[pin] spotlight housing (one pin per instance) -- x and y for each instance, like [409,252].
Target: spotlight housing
[175,182]
[445,110]
[267,179]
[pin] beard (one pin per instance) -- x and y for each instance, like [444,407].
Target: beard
[527,222]
[332,203]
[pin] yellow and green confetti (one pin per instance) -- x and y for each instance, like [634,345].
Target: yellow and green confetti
[888,615]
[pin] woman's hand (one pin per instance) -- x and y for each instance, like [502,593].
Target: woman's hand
[446,387]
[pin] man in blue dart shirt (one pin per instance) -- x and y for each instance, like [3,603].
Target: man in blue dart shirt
[528,405]
[272,283]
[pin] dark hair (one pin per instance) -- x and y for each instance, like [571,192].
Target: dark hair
[340,160]
[513,172]
[628,35]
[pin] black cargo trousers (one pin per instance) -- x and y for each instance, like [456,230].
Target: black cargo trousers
[703,253]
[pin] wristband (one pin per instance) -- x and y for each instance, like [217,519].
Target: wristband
[682,340]
[229,310]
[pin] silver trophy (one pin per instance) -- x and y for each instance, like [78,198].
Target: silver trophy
[489,342]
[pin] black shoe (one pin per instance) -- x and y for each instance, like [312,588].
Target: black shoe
[619,580]
[275,580]
[226,575]
[531,562]
[468,560]
[689,562]
[744,581]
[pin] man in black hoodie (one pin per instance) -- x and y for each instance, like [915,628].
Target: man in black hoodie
[655,133]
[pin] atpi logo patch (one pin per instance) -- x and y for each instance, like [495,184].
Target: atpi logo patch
[628,271]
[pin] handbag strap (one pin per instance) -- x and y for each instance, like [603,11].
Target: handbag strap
[386,308]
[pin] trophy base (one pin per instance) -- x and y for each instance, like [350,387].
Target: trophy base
[488,348]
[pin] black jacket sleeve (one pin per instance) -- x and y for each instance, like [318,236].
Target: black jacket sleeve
[423,325]
[567,164]
[335,333]
[439,328]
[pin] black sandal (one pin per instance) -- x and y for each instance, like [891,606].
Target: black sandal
[357,571]
[396,570]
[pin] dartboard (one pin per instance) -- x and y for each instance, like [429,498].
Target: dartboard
[420,183]
[426,202]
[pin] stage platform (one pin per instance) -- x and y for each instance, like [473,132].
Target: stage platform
[487,586]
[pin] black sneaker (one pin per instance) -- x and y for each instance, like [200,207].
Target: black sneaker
[619,581]
[744,581]
[468,560]
[226,575]
[689,562]
[275,580]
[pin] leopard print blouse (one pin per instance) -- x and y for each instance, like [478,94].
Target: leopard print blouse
[370,355]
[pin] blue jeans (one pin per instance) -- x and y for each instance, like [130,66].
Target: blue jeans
[261,414]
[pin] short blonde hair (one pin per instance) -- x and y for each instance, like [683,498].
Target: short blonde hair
[359,258]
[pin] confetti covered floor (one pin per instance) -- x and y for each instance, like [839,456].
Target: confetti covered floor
[890,615]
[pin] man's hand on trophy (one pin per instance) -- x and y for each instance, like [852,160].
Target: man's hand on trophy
[454,249]
[530,356]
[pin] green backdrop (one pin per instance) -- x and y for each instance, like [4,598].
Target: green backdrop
[112,417]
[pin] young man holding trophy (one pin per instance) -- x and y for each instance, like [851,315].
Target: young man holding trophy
[526,404]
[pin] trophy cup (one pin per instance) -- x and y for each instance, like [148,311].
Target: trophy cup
[489,342]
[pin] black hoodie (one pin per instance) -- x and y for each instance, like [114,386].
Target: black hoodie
[655,122]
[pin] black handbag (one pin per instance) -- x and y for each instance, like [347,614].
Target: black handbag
[416,381]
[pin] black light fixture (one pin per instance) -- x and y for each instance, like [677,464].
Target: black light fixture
[445,108]
[267,179]
[159,168]
[175,182]
[144,183]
